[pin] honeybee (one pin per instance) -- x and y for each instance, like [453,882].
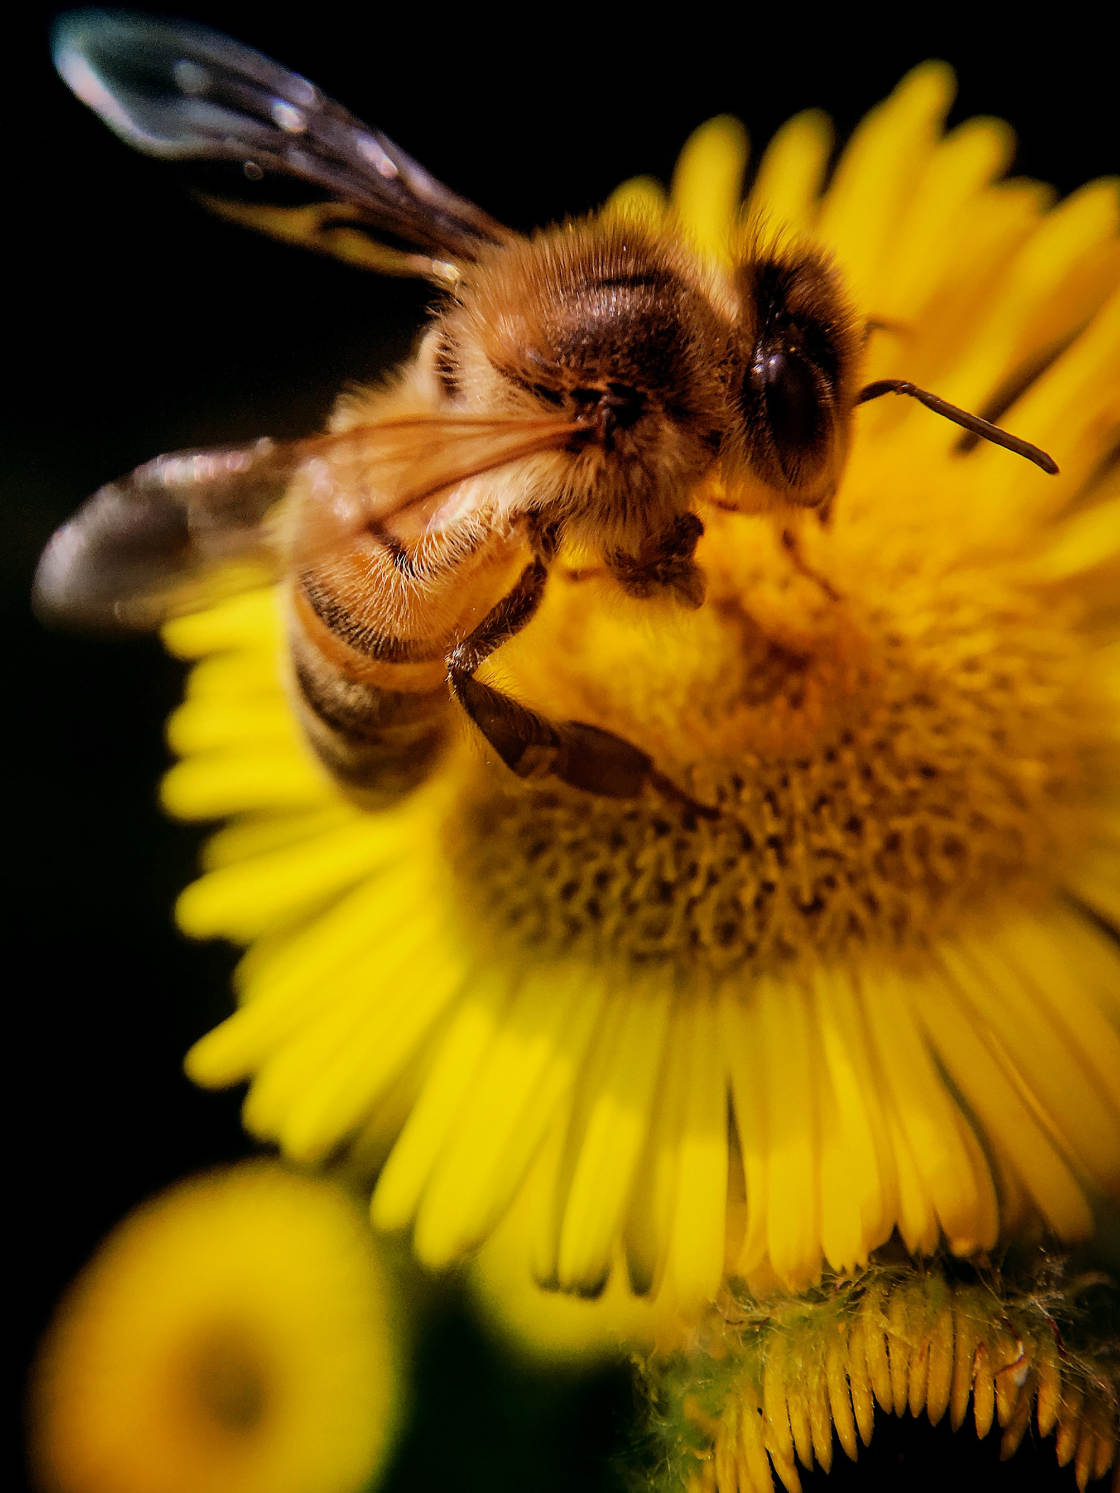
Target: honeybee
[576,388]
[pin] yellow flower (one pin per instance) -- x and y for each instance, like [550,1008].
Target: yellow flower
[768,1388]
[555,1328]
[874,992]
[233,1335]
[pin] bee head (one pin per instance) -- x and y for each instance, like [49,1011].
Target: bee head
[792,385]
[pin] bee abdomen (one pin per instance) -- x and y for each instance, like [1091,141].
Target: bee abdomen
[376,742]
[356,633]
[369,636]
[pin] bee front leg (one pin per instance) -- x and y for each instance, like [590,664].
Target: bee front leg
[531,745]
[664,563]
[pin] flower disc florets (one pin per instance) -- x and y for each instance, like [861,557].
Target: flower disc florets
[883,764]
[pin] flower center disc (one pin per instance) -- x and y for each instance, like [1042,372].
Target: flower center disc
[883,762]
[227,1380]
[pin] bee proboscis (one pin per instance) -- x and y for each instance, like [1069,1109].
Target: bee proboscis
[580,387]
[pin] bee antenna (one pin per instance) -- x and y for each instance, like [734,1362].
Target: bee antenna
[975,423]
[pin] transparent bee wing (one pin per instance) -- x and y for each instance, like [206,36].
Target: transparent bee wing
[118,562]
[188,526]
[183,92]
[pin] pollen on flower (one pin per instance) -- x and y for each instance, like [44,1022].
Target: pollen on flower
[882,765]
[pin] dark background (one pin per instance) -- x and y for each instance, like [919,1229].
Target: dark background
[137,324]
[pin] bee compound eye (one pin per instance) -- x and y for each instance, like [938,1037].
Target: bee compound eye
[791,398]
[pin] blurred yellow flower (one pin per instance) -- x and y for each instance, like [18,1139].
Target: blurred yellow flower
[873,993]
[233,1335]
[556,1328]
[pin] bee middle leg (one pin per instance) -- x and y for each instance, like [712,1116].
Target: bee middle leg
[531,745]
[792,547]
[664,564]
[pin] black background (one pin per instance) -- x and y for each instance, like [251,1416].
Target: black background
[138,324]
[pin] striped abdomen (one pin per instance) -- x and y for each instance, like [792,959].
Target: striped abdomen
[369,634]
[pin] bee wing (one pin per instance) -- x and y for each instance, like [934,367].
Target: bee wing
[184,92]
[187,527]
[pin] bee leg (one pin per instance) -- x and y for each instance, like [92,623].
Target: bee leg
[664,563]
[581,573]
[793,549]
[883,324]
[544,541]
[532,746]
[544,538]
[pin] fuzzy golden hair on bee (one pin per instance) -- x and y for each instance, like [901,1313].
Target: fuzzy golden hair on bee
[607,322]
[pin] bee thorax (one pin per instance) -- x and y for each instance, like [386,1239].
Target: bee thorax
[619,334]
